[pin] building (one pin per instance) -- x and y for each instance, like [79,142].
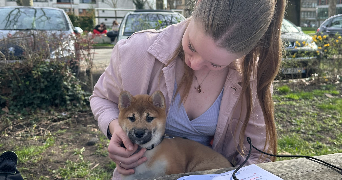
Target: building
[323,9]
[308,13]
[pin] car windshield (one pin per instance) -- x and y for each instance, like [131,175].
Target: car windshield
[32,18]
[138,22]
[287,27]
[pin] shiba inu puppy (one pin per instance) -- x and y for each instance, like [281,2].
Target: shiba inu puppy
[143,118]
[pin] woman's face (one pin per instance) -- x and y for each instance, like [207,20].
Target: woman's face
[201,52]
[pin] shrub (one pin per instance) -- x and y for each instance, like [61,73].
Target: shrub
[284,89]
[42,79]
[40,86]
[86,22]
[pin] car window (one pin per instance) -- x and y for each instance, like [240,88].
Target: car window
[288,27]
[336,22]
[32,18]
[138,22]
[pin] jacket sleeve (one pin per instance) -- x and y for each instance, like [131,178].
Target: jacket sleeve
[104,100]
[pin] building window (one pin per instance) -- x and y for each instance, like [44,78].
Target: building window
[10,0]
[40,0]
[323,2]
[63,1]
[322,13]
[67,10]
[88,1]
[308,14]
[308,4]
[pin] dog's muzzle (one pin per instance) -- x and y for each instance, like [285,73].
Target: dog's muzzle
[140,136]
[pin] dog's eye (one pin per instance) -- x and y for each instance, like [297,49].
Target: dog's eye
[149,118]
[132,118]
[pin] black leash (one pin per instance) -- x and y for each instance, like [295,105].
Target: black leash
[339,170]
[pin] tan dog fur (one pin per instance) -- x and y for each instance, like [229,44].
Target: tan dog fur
[143,118]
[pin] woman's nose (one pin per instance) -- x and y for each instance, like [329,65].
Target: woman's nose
[196,63]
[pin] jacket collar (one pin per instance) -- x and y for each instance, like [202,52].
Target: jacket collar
[168,41]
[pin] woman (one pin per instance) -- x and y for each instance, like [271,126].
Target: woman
[100,29]
[215,70]
[114,32]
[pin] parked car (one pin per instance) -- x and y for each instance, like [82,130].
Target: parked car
[147,19]
[30,29]
[296,41]
[331,26]
[78,30]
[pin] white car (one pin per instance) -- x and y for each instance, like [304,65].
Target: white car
[25,30]
[147,19]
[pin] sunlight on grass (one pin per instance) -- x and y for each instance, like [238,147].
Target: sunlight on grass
[310,95]
[31,153]
[294,144]
[335,105]
[284,89]
[82,169]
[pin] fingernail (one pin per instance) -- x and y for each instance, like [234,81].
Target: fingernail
[130,148]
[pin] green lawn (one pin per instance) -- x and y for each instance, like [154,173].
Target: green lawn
[309,121]
[50,145]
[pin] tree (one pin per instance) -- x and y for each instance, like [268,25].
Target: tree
[24,2]
[332,8]
[171,4]
[112,4]
[139,4]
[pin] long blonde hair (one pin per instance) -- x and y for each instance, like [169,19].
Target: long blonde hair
[251,28]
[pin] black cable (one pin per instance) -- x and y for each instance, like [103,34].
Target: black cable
[339,170]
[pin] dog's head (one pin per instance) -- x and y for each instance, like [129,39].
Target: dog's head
[143,117]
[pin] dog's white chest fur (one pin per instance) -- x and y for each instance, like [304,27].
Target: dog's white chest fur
[158,168]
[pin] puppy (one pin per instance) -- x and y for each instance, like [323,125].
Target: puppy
[143,118]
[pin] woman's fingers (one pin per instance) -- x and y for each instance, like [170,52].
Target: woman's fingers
[126,141]
[133,161]
[124,171]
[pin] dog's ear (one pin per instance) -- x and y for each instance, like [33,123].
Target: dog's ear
[158,99]
[125,99]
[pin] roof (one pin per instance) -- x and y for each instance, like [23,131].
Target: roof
[31,7]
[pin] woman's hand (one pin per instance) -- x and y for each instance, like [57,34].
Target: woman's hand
[125,161]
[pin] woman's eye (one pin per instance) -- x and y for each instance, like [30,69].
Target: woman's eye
[191,48]
[215,65]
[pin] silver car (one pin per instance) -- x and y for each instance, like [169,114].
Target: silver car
[147,19]
[296,42]
[25,30]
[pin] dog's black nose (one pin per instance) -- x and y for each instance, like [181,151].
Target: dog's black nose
[139,133]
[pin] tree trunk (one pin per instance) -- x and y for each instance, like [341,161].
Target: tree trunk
[171,4]
[24,2]
[332,8]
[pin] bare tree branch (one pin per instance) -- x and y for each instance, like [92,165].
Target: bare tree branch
[111,3]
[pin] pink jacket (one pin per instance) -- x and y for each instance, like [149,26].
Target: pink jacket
[136,65]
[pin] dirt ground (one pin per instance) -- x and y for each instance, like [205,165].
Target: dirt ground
[70,133]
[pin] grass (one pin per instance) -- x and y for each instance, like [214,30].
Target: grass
[309,32]
[309,122]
